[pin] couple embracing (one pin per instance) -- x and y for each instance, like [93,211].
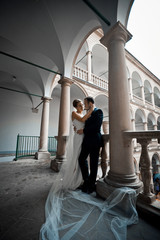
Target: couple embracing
[87,140]
[63,206]
[76,215]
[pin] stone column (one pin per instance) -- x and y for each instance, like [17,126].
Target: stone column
[134,129]
[152,98]
[155,127]
[43,146]
[89,65]
[142,93]
[64,123]
[121,173]
[130,88]
[145,126]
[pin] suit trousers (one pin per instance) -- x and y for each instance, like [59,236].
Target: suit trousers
[89,177]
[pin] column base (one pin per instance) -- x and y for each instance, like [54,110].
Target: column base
[57,163]
[146,198]
[42,155]
[104,188]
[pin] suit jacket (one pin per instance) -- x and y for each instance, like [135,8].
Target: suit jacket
[92,128]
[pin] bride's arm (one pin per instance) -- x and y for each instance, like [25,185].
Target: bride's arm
[79,118]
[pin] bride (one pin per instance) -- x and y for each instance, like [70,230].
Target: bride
[74,215]
[72,177]
[69,177]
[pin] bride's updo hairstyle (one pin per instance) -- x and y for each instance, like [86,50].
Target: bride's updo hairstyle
[75,102]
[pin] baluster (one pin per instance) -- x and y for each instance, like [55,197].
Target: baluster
[104,155]
[100,82]
[146,172]
[77,72]
[83,75]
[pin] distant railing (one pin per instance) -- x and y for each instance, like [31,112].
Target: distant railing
[83,74]
[80,73]
[28,146]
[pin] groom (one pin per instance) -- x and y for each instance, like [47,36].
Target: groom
[90,146]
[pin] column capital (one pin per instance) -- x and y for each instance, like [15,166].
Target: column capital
[66,81]
[117,32]
[46,98]
[89,51]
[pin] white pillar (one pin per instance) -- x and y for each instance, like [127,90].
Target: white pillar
[155,127]
[142,93]
[43,146]
[89,65]
[152,99]
[121,171]
[64,123]
[130,88]
[145,126]
[134,129]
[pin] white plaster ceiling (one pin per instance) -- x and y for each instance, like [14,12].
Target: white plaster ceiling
[48,33]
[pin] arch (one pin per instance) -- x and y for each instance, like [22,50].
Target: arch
[151,121]
[25,84]
[155,163]
[82,88]
[123,11]
[77,92]
[140,119]
[76,45]
[55,80]
[147,91]
[100,61]
[81,60]
[136,84]
[157,96]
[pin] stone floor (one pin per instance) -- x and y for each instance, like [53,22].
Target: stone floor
[24,186]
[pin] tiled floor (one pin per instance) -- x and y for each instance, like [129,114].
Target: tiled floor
[24,187]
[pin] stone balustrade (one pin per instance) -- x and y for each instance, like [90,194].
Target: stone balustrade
[144,138]
[83,75]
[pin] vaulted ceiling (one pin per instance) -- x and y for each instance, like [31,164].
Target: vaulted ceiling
[49,33]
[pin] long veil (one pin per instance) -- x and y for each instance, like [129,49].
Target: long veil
[74,215]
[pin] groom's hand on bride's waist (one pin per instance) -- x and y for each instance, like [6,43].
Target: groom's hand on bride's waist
[80,131]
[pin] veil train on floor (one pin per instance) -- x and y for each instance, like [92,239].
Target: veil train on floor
[73,215]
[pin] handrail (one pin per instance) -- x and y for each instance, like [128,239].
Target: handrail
[28,145]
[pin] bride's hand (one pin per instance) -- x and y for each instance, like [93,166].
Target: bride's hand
[91,109]
[80,131]
[74,128]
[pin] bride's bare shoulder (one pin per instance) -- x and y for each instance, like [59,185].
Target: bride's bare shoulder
[73,115]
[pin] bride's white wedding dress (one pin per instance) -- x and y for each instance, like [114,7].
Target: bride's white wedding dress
[74,215]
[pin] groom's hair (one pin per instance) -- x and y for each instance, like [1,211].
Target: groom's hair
[89,99]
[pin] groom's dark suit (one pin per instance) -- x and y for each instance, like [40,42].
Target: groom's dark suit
[91,145]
